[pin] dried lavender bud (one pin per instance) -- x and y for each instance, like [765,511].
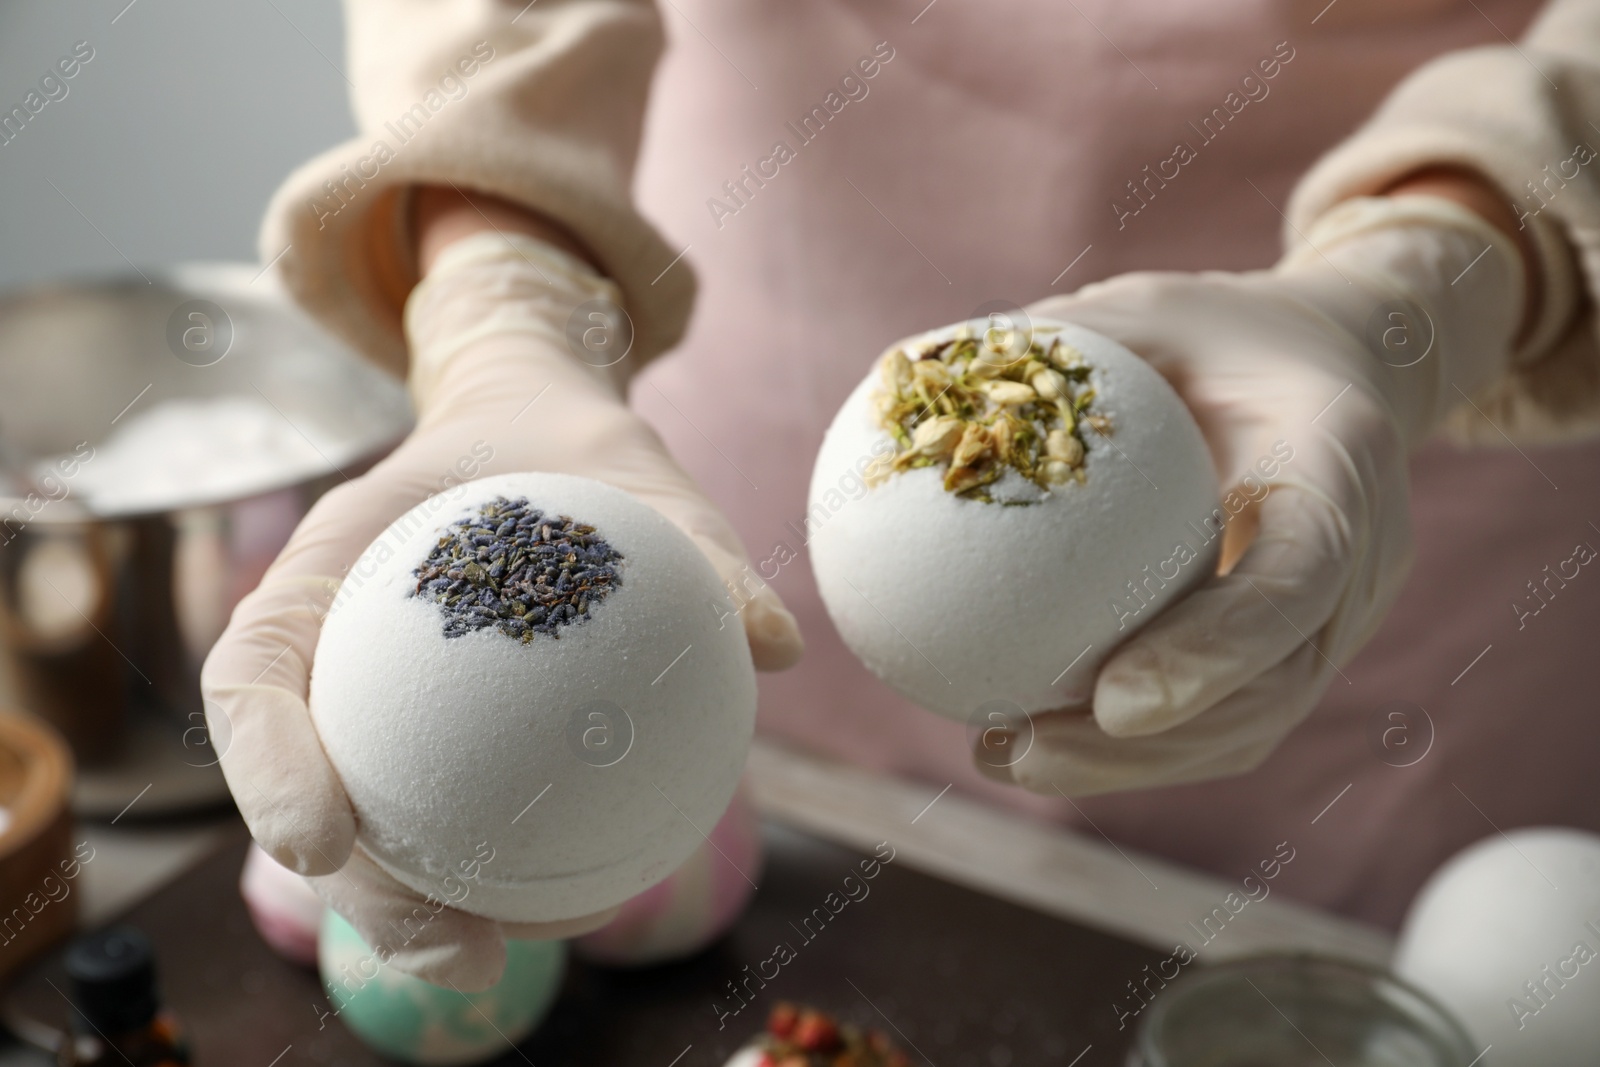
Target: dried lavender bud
[514,568]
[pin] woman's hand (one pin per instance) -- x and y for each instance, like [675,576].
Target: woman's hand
[1347,354]
[499,389]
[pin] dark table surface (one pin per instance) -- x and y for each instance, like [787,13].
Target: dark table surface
[961,978]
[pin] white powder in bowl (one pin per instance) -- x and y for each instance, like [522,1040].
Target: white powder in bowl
[587,763]
[182,452]
[957,602]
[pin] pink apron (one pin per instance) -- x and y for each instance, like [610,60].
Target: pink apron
[845,173]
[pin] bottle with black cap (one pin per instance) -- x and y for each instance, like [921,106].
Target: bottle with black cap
[117,1015]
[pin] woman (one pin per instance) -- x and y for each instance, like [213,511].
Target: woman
[842,175]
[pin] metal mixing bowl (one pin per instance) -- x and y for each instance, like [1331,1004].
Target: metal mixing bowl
[115,580]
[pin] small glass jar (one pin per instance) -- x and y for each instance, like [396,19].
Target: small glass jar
[1297,1010]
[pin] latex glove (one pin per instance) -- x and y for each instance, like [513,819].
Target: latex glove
[497,390]
[1347,353]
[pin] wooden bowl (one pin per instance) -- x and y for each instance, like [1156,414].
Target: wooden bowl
[38,867]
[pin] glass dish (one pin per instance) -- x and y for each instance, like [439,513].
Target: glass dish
[1297,1010]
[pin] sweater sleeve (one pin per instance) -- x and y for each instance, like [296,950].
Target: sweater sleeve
[1517,114]
[539,103]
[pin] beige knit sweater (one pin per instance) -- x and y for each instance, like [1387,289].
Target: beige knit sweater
[543,104]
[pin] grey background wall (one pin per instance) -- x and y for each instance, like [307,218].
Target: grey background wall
[171,139]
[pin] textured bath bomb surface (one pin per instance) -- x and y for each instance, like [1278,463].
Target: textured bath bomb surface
[564,772]
[958,602]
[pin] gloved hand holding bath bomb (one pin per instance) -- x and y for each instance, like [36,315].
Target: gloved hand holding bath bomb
[980,570]
[493,686]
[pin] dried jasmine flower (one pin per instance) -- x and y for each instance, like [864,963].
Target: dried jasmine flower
[977,409]
[512,567]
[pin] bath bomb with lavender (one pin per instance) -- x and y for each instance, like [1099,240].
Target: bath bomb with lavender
[528,679]
[992,508]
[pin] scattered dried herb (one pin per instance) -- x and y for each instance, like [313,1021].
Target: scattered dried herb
[512,567]
[803,1037]
[978,406]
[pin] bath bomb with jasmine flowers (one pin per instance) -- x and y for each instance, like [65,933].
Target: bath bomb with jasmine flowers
[992,508]
[528,679]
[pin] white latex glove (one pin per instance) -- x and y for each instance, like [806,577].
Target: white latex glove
[497,390]
[1312,354]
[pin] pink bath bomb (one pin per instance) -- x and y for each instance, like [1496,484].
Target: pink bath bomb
[696,905]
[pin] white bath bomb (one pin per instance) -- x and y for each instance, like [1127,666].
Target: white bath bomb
[1507,936]
[958,602]
[580,761]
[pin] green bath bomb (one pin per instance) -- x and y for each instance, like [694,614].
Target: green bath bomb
[416,1022]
